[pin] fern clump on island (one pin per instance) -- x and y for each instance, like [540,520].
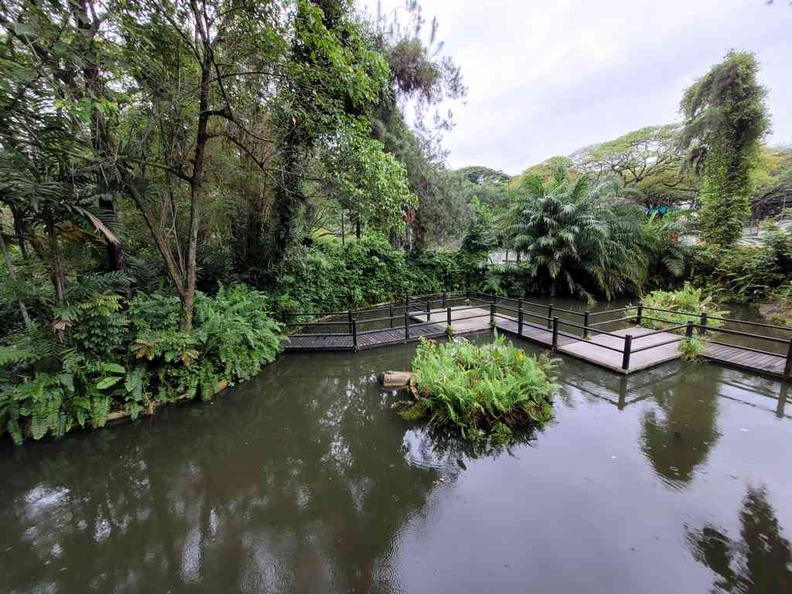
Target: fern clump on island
[480,390]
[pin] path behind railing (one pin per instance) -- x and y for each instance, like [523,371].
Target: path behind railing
[581,334]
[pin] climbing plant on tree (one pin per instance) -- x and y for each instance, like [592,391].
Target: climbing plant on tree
[725,118]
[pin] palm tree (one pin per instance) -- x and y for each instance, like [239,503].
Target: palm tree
[578,238]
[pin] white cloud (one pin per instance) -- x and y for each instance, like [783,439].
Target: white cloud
[548,76]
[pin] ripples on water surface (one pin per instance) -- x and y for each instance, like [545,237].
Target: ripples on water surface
[305,480]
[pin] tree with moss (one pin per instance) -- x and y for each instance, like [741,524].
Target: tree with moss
[725,119]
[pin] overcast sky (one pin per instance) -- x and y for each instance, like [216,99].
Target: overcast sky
[545,77]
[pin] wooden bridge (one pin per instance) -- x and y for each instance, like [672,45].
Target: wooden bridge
[626,347]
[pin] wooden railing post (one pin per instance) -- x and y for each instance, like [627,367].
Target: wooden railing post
[492,314]
[689,329]
[349,316]
[448,318]
[627,351]
[445,298]
[788,366]
[354,335]
[555,334]
[586,315]
[406,326]
[390,314]
[703,328]
[639,316]
[519,322]
[549,315]
[428,312]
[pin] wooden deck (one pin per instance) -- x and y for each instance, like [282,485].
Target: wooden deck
[603,350]
[595,350]
[771,365]
[366,340]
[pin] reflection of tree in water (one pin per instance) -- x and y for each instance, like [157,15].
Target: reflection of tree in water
[759,563]
[678,437]
[276,488]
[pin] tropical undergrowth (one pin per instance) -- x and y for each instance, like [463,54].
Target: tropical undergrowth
[106,355]
[480,391]
[332,277]
[687,300]
[759,273]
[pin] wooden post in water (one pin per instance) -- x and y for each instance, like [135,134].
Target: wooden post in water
[586,315]
[627,351]
[703,328]
[639,316]
[549,315]
[555,334]
[354,335]
[788,366]
[406,326]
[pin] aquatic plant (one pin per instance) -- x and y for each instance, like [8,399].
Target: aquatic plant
[480,390]
[692,347]
[687,300]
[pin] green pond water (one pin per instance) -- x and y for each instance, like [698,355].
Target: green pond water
[305,480]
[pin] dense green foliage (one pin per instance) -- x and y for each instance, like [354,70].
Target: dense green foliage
[687,299]
[477,389]
[725,118]
[577,238]
[131,357]
[748,274]
[331,277]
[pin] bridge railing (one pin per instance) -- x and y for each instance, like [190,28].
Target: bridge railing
[443,308]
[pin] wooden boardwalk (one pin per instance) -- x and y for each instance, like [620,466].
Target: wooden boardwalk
[732,356]
[366,340]
[649,349]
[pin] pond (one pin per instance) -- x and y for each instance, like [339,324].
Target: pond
[306,480]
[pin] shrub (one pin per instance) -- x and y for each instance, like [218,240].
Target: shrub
[687,300]
[48,386]
[480,389]
[748,273]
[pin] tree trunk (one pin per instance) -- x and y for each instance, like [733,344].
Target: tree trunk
[196,188]
[287,195]
[12,273]
[56,267]
[100,131]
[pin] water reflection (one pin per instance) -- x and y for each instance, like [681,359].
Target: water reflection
[678,434]
[271,489]
[760,562]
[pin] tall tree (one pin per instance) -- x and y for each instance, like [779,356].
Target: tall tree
[725,119]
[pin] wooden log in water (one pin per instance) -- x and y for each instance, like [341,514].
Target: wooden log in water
[394,380]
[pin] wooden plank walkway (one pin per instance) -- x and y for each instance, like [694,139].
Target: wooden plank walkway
[732,356]
[366,340]
[467,320]
[595,350]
